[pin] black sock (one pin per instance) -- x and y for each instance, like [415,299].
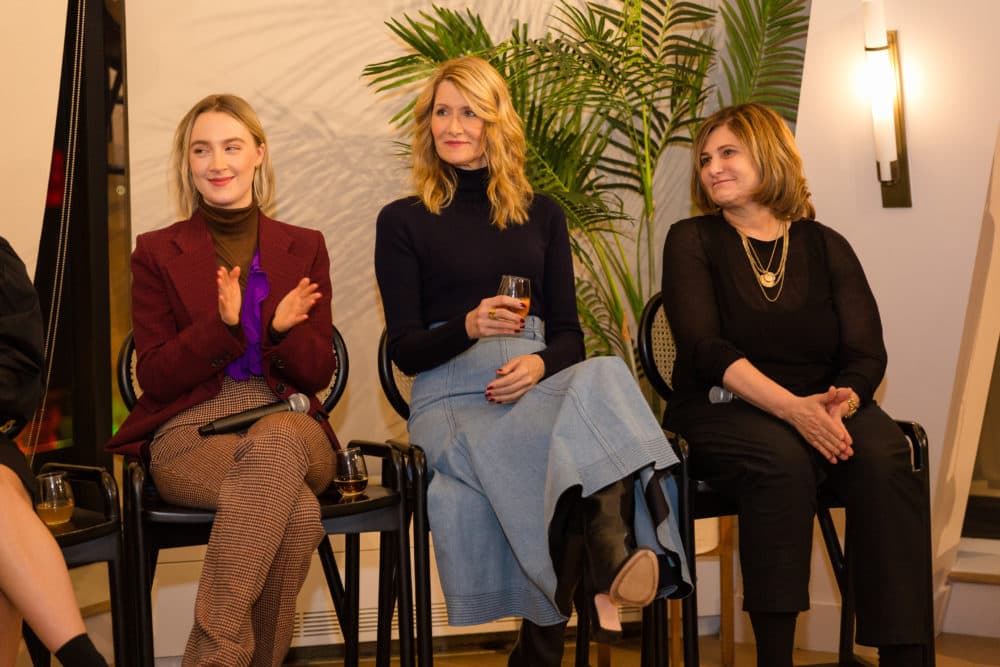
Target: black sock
[80,652]
[901,655]
[774,633]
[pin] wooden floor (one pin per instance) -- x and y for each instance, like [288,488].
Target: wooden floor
[952,651]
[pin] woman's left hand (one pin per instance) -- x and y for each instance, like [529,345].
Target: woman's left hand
[515,378]
[294,307]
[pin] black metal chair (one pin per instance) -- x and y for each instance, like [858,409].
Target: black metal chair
[92,535]
[152,524]
[396,386]
[657,353]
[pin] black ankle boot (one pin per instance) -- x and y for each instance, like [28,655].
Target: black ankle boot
[901,655]
[629,575]
[538,646]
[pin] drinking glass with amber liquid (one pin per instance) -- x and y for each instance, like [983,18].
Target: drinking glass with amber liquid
[519,288]
[55,498]
[351,478]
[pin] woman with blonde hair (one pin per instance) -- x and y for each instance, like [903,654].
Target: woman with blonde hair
[231,311]
[532,449]
[774,306]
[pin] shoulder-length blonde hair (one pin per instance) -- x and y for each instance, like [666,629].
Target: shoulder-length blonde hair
[783,187]
[503,142]
[186,196]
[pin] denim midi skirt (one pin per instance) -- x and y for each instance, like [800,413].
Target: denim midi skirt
[498,470]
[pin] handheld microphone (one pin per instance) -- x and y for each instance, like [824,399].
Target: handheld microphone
[720,395]
[242,420]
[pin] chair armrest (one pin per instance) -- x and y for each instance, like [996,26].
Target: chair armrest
[393,470]
[99,477]
[917,437]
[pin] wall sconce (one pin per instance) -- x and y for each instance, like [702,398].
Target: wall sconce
[886,95]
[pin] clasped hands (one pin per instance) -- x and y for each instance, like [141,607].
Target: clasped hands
[819,418]
[497,316]
[293,308]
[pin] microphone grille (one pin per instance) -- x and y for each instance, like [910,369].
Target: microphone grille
[298,403]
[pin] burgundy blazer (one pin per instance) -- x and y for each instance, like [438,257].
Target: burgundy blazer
[183,346]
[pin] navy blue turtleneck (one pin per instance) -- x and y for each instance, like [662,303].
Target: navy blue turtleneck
[436,268]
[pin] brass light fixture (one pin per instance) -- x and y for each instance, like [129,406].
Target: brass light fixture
[886,95]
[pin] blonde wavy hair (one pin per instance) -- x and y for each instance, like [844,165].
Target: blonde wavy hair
[486,91]
[186,196]
[783,187]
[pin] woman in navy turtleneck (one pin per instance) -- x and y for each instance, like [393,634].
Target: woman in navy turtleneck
[231,311]
[532,449]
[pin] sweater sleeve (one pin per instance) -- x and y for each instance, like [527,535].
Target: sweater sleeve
[861,355]
[691,308]
[563,336]
[21,357]
[412,346]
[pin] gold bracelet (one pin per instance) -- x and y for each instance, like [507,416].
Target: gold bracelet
[852,407]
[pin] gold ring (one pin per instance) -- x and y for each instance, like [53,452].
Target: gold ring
[492,314]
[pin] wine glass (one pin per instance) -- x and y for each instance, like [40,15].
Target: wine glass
[351,478]
[55,498]
[519,288]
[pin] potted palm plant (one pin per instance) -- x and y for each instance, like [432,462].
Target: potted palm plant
[604,94]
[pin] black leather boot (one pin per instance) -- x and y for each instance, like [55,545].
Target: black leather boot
[538,646]
[630,576]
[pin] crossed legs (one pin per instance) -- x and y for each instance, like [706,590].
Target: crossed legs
[262,485]
[34,581]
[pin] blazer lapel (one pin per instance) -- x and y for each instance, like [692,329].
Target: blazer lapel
[192,269]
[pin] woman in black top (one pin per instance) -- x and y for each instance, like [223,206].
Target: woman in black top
[775,307]
[34,583]
[525,440]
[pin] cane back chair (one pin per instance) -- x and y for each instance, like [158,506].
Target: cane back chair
[396,386]
[152,524]
[657,353]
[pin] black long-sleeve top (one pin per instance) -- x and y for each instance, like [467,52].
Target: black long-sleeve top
[20,342]
[436,268]
[823,330]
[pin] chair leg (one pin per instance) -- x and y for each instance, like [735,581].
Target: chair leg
[37,651]
[655,634]
[422,563]
[387,582]
[405,595]
[727,594]
[334,583]
[119,619]
[352,581]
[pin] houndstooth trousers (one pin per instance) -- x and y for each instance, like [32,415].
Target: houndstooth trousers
[263,485]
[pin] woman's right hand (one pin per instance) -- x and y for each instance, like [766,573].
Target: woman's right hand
[811,418]
[495,316]
[230,295]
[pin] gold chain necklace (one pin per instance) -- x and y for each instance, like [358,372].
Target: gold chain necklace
[767,279]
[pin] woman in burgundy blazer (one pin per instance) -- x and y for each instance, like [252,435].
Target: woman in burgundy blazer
[231,311]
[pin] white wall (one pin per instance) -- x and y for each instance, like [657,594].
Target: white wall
[31,48]
[300,67]
[919,260]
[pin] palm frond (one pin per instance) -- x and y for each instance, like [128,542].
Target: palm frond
[764,59]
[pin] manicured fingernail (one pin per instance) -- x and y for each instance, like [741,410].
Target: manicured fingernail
[522,320]
[521,304]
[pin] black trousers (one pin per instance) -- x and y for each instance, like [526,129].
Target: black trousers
[774,475]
